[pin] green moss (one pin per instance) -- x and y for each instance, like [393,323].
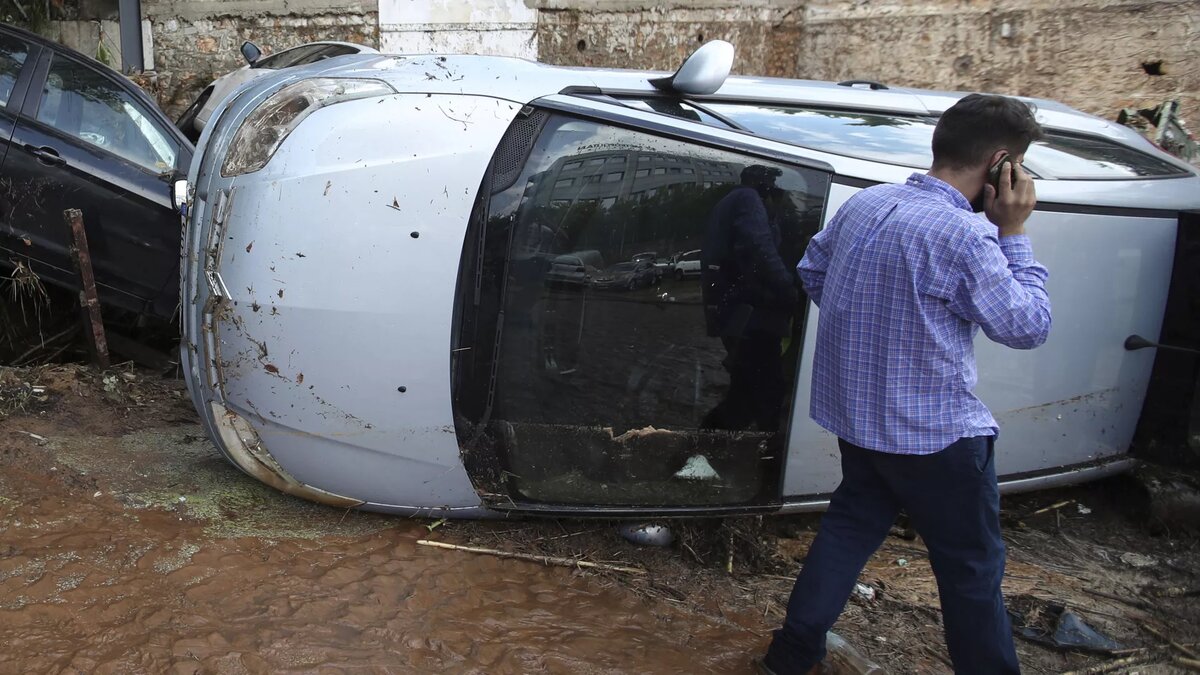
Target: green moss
[178,469]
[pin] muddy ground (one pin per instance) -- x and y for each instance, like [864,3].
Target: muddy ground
[127,544]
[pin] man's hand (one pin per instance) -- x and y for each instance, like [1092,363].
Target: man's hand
[1012,206]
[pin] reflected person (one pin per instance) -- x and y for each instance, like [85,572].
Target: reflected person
[750,296]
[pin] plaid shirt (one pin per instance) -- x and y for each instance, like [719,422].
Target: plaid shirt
[905,275]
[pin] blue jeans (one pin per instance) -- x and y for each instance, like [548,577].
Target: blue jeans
[953,501]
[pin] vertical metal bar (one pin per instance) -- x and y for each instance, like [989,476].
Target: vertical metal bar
[130,12]
[89,302]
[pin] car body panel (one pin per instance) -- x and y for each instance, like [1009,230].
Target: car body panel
[319,290]
[1089,389]
[227,84]
[258,328]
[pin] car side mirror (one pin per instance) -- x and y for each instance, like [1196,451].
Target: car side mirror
[179,196]
[251,52]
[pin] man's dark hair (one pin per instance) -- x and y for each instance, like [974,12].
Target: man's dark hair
[978,125]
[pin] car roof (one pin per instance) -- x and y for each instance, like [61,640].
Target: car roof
[523,81]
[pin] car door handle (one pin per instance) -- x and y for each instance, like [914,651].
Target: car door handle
[1135,342]
[46,155]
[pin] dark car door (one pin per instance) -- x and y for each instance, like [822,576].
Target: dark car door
[84,140]
[15,54]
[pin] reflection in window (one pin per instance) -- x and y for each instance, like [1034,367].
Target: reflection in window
[645,348]
[13,53]
[83,103]
[906,140]
[1069,156]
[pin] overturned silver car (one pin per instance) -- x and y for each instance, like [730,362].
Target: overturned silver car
[420,284]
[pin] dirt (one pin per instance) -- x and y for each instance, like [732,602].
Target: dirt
[128,544]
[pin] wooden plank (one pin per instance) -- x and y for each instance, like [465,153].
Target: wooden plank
[89,302]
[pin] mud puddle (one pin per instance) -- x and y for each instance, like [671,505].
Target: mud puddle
[127,545]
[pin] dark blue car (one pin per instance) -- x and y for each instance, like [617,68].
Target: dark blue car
[76,135]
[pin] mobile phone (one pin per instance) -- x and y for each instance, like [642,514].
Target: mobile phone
[994,172]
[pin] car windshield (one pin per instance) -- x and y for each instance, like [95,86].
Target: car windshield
[905,140]
[624,267]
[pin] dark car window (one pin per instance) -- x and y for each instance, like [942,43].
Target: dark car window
[882,137]
[83,103]
[630,369]
[1071,156]
[13,53]
[905,140]
[304,54]
[674,108]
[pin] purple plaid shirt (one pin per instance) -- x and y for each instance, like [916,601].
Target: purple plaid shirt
[905,275]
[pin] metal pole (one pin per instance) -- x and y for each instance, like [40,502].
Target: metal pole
[132,59]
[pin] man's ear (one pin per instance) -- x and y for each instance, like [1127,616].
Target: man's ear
[995,157]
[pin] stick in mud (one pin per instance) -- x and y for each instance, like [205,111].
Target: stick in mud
[89,301]
[1139,660]
[544,559]
[1175,645]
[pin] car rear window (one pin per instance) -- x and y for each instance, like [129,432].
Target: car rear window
[905,140]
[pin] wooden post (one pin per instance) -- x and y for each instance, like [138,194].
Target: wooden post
[89,303]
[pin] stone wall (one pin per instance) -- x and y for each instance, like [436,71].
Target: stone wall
[659,35]
[196,42]
[1098,56]
[1095,56]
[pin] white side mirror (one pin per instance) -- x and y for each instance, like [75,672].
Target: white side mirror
[703,72]
[179,196]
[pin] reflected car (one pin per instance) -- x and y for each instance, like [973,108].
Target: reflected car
[196,116]
[367,320]
[74,134]
[626,276]
[574,269]
[687,264]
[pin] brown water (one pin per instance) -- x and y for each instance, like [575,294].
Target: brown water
[103,569]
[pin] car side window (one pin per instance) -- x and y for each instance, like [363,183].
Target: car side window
[288,57]
[81,102]
[13,53]
[590,341]
[329,52]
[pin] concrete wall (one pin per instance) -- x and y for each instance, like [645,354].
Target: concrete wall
[502,27]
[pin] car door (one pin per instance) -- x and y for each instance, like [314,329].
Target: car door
[17,58]
[84,141]
[665,398]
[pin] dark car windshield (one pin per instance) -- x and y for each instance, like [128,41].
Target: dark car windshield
[905,140]
[302,55]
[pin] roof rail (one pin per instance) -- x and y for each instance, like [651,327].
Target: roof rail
[875,86]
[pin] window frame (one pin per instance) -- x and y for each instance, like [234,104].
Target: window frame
[20,91]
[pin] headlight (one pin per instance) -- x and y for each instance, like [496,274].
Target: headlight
[261,134]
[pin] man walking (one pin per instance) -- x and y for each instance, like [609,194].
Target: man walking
[904,276]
